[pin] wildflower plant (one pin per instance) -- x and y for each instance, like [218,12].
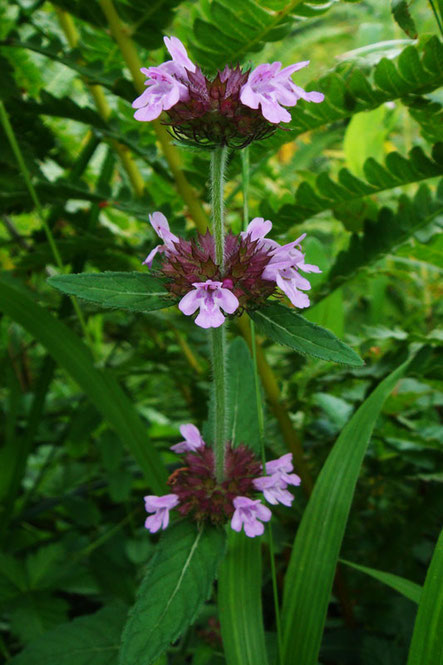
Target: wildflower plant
[217,276]
[216,496]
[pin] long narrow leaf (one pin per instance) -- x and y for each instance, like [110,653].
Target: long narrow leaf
[286,327]
[239,596]
[314,557]
[124,290]
[407,588]
[102,389]
[427,645]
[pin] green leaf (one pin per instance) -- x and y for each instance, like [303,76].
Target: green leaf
[33,614]
[327,194]
[240,603]
[426,645]
[228,32]
[401,13]
[100,386]
[407,588]
[242,403]
[389,231]
[123,290]
[284,326]
[177,582]
[364,137]
[310,574]
[89,639]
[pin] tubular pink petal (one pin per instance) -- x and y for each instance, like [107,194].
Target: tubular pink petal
[209,318]
[307,267]
[178,52]
[149,259]
[227,300]
[253,529]
[189,303]
[297,298]
[288,71]
[148,113]
[257,228]
[249,98]
[283,464]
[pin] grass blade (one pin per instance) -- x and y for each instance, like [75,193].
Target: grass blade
[239,601]
[407,588]
[427,645]
[310,574]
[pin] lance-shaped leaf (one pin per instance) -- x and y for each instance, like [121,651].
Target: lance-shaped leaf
[176,584]
[426,644]
[407,588]
[310,574]
[284,326]
[123,290]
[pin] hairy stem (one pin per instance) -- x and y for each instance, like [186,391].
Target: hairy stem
[218,352]
[218,337]
[218,163]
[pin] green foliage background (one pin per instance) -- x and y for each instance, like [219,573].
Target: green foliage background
[86,431]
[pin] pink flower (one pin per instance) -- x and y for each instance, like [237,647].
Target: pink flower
[166,84]
[160,225]
[273,490]
[209,297]
[247,514]
[283,269]
[193,440]
[274,486]
[269,86]
[283,466]
[257,229]
[160,506]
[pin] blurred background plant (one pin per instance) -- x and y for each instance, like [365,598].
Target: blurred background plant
[359,173]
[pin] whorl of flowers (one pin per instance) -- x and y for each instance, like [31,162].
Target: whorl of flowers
[196,493]
[233,109]
[254,267]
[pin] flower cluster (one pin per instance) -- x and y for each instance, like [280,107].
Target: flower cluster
[196,493]
[254,267]
[234,108]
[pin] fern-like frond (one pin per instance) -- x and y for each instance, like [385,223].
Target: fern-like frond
[328,194]
[229,31]
[389,231]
